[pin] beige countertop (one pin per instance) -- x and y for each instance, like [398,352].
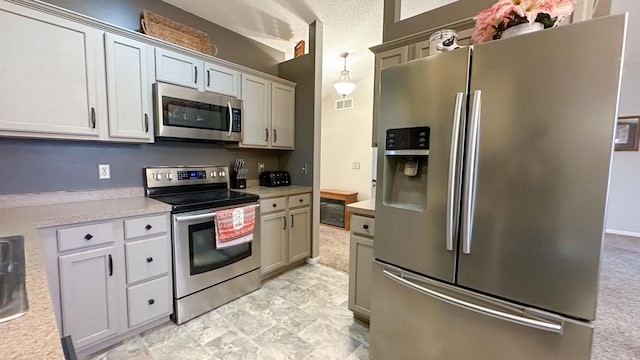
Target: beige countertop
[364,208]
[35,335]
[265,192]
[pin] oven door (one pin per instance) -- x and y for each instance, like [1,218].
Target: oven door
[196,261]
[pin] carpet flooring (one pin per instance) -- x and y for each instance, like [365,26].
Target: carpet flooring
[334,247]
[617,325]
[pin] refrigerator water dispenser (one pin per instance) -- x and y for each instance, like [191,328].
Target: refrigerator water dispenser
[405,167]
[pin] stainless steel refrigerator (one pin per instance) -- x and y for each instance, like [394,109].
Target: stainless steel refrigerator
[493,173]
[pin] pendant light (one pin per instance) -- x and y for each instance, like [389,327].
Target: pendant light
[344,86]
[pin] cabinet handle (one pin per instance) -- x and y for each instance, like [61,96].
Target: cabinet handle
[274,205]
[88,237]
[110,265]
[151,301]
[284,219]
[195,78]
[275,136]
[366,227]
[266,134]
[301,200]
[291,220]
[146,123]
[208,78]
[93,118]
[149,259]
[148,227]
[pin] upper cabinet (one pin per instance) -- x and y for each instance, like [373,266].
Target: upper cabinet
[269,114]
[179,69]
[221,80]
[175,68]
[52,76]
[129,88]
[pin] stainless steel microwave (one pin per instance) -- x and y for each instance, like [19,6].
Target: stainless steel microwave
[184,113]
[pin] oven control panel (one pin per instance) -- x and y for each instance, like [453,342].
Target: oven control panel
[164,176]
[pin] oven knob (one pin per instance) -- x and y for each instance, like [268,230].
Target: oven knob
[213,174]
[221,173]
[157,176]
[169,176]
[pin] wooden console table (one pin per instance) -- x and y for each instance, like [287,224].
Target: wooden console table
[333,207]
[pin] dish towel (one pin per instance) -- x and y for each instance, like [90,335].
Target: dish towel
[234,226]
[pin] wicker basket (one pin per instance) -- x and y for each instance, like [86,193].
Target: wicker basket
[174,32]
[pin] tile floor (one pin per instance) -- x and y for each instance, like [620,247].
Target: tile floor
[301,314]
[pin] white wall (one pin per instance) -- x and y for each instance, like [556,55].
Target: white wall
[624,191]
[346,138]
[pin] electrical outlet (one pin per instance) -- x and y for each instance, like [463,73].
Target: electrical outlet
[355,165]
[303,170]
[104,171]
[260,167]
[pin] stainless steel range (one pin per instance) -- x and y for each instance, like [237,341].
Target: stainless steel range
[204,277]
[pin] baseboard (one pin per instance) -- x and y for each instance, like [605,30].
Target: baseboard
[313,261]
[622,232]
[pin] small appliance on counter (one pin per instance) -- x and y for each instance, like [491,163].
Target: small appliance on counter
[275,178]
[239,175]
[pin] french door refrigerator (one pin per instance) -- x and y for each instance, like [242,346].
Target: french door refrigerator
[491,196]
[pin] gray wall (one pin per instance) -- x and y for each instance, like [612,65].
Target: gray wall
[44,165]
[232,47]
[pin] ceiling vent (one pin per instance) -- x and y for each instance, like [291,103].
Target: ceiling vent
[344,104]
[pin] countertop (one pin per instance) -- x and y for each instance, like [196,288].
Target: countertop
[265,192]
[35,335]
[364,208]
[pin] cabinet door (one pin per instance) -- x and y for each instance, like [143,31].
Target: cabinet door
[421,49]
[256,118]
[128,88]
[384,60]
[88,296]
[273,238]
[299,233]
[179,69]
[283,99]
[52,76]
[221,80]
[360,258]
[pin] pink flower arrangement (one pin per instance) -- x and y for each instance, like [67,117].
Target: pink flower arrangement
[491,22]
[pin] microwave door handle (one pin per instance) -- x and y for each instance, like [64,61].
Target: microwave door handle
[230,118]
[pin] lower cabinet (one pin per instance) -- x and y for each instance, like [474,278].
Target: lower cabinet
[360,260]
[285,231]
[109,278]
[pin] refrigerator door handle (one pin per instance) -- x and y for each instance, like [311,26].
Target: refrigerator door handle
[542,325]
[470,172]
[453,169]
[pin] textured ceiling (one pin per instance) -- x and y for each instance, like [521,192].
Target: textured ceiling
[349,25]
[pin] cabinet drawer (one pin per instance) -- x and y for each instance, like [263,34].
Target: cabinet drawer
[147,258]
[275,204]
[362,225]
[299,200]
[145,226]
[85,236]
[148,301]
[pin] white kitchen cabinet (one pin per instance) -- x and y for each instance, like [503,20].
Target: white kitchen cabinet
[283,99]
[129,88]
[268,120]
[221,80]
[109,279]
[285,231]
[88,295]
[53,82]
[179,69]
[360,260]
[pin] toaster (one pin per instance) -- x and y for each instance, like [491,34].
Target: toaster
[275,178]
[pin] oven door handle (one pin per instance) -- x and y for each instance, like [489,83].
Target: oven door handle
[200,216]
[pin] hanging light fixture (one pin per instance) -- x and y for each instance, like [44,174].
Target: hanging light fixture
[344,86]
